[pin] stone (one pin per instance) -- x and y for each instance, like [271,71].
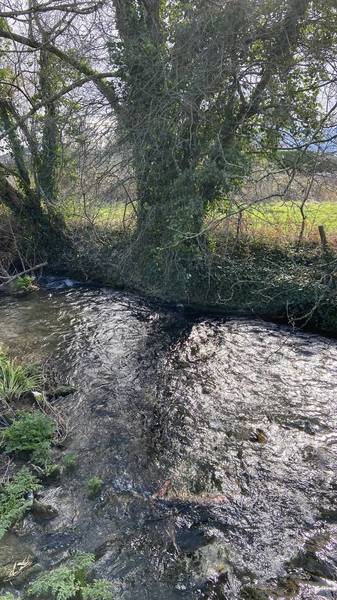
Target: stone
[61,391]
[44,512]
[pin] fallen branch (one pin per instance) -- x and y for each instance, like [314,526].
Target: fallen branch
[17,275]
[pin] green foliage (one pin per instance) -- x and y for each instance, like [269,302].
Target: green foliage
[94,486]
[15,500]
[59,584]
[82,563]
[21,284]
[71,582]
[98,590]
[50,470]
[7,596]
[69,461]
[31,433]
[16,380]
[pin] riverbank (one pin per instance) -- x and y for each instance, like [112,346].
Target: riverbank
[261,277]
[225,277]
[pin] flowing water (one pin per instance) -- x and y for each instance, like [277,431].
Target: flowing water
[216,442]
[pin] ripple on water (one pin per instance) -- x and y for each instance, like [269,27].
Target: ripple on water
[216,442]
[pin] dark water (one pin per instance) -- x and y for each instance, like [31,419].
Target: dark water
[216,442]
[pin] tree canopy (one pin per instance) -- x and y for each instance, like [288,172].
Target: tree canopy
[192,93]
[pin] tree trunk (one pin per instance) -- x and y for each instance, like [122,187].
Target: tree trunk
[44,232]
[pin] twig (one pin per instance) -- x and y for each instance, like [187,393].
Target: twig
[30,270]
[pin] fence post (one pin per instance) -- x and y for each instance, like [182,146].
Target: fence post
[324,240]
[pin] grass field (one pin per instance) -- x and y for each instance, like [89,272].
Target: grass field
[286,215]
[281,221]
[274,221]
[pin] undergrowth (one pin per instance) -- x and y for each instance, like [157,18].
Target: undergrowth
[71,582]
[16,498]
[17,380]
[21,284]
[29,426]
[32,434]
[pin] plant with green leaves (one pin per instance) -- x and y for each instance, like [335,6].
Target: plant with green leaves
[32,433]
[16,498]
[69,461]
[70,582]
[21,284]
[94,485]
[17,380]
[7,596]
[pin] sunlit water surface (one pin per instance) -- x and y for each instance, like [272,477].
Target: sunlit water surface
[216,442]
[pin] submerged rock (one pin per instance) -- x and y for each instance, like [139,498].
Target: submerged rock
[15,558]
[259,436]
[57,507]
[216,587]
[61,391]
[254,593]
[188,539]
[43,511]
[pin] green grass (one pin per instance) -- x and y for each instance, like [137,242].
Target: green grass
[105,214]
[284,217]
[287,215]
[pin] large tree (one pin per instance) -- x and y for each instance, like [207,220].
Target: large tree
[199,89]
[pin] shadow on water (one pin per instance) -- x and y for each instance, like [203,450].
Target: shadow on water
[216,443]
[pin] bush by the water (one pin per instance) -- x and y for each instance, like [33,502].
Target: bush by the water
[21,284]
[32,433]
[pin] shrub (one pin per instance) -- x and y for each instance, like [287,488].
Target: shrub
[16,498]
[71,582]
[16,380]
[23,283]
[94,486]
[32,433]
[7,596]
[60,584]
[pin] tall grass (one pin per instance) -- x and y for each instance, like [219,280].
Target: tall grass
[16,380]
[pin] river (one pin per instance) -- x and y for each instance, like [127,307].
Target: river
[216,442]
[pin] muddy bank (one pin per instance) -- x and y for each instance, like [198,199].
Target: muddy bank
[215,442]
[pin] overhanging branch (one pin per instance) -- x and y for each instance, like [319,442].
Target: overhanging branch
[107,89]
